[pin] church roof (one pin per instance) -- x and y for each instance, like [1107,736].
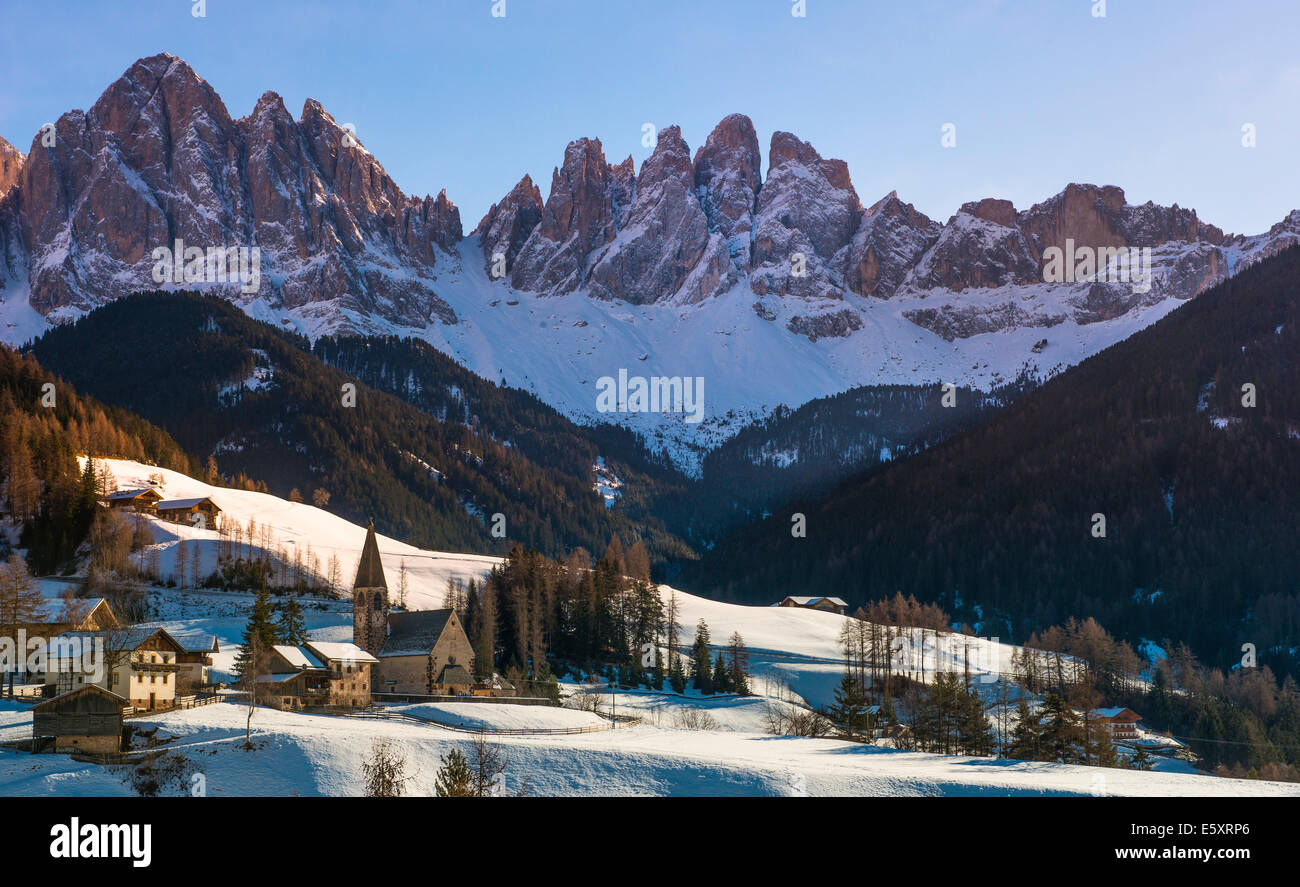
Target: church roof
[370,571]
[455,674]
[414,634]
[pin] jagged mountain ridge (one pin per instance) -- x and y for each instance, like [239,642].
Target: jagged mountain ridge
[695,265]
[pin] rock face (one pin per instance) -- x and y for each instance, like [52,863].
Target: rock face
[981,246]
[11,163]
[807,212]
[158,158]
[664,250]
[727,179]
[891,237]
[508,223]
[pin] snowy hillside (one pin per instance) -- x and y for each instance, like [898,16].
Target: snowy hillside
[296,525]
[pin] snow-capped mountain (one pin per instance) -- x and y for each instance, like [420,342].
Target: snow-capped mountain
[773,290]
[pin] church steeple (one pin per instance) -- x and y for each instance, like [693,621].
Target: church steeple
[370,598]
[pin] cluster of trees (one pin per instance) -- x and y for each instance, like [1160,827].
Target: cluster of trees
[269,623]
[44,425]
[1198,515]
[1055,731]
[534,616]
[1243,722]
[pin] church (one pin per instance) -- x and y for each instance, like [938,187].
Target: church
[421,652]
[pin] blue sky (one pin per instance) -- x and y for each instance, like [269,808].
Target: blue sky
[1152,97]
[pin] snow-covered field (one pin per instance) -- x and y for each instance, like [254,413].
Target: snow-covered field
[322,755]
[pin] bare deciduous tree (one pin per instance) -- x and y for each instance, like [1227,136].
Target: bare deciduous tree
[385,771]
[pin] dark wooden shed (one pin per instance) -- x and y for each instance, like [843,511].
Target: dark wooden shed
[88,719]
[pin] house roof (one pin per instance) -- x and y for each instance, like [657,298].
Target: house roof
[414,634]
[339,651]
[88,688]
[1113,713]
[298,657]
[198,642]
[276,678]
[370,569]
[173,504]
[808,601]
[131,638]
[133,494]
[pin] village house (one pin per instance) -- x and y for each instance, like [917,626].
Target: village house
[200,512]
[195,658]
[143,500]
[423,652]
[88,719]
[827,604]
[73,615]
[139,664]
[317,674]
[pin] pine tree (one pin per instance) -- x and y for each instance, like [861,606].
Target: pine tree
[677,676]
[721,678]
[738,667]
[1062,737]
[701,675]
[454,779]
[849,713]
[291,628]
[1141,759]
[1026,738]
[260,626]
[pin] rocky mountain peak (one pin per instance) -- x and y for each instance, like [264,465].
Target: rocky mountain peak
[577,218]
[727,181]
[507,224]
[891,237]
[807,212]
[664,249]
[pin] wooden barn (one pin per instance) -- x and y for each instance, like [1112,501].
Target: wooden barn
[200,512]
[88,720]
[144,499]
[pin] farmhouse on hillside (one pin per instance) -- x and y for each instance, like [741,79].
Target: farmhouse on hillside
[1121,723]
[827,604]
[134,500]
[201,511]
[423,652]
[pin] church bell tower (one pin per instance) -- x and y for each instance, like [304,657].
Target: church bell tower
[370,599]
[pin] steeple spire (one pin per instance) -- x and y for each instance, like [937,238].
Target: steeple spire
[370,571]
